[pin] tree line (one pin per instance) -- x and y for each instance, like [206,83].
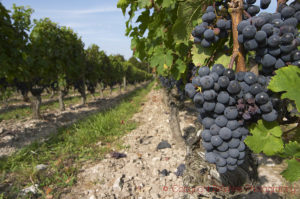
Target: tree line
[39,54]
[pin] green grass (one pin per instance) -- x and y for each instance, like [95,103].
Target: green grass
[22,113]
[69,148]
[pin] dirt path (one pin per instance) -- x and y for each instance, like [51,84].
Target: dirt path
[137,175]
[17,134]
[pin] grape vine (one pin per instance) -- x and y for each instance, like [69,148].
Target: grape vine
[243,59]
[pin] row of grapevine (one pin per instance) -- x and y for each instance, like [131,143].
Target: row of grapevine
[43,55]
[246,107]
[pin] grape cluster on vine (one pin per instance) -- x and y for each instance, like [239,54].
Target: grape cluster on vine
[211,29]
[226,101]
[273,36]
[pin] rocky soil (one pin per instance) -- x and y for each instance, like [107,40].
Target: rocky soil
[146,172]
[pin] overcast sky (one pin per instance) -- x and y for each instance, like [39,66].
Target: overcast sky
[96,21]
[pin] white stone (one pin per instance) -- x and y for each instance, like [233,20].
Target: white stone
[41,167]
[33,189]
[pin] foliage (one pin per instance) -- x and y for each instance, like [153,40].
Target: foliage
[287,80]
[161,36]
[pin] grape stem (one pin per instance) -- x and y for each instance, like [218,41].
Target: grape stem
[236,12]
[247,14]
[233,57]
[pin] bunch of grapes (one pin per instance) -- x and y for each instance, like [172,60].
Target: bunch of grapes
[274,37]
[169,83]
[211,29]
[225,100]
[254,101]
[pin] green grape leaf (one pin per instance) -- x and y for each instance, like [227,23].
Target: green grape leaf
[266,137]
[223,59]
[292,149]
[144,3]
[200,55]
[292,173]
[167,3]
[163,61]
[180,65]
[188,11]
[287,80]
[123,4]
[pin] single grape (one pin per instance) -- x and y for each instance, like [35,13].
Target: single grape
[251,45]
[209,106]
[268,61]
[225,133]
[241,147]
[229,73]
[208,122]
[240,76]
[207,145]
[190,90]
[242,155]
[218,68]
[262,98]
[270,117]
[234,153]
[287,12]
[253,10]
[268,28]
[198,98]
[249,32]
[223,81]
[214,129]
[232,124]
[220,161]
[223,97]
[221,121]
[210,157]
[250,78]
[224,154]
[209,95]
[274,41]
[236,133]
[260,36]
[266,108]
[264,4]
[222,169]
[242,25]
[255,89]
[205,43]
[234,87]
[274,51]
[231,161]
[206,135]
[196,81]
[231,113]
[203,71]
[223,147]
[216,140]
[209,34]
[219,108]
[207,82]
[234,143]
[245,87]
[221,23]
